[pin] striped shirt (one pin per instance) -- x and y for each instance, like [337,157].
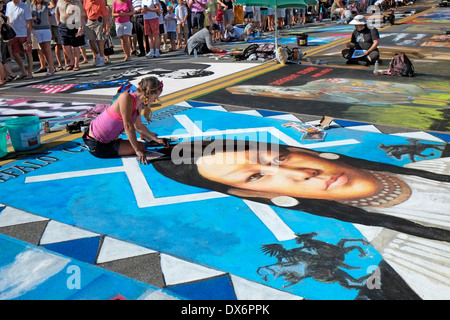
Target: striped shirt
[137,5]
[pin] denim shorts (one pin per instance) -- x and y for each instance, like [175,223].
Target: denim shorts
[100,149]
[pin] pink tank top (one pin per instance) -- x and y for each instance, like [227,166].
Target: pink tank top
[109,124]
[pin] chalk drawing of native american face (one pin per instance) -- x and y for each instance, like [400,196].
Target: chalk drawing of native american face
[339,90]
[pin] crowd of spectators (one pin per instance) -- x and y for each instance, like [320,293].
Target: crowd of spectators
[55,32]
[58,32]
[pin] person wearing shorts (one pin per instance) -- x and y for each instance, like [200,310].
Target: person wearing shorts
[301,15]
[257,17]
[97,24]
[198,8]
[170,21]
[181,12]
[248,14]
[228,14]
[122,10]
[42,29]
[162,25]
[55,35]
[19,17]
[138,27]
[70,19]
[124,116]
[152,10]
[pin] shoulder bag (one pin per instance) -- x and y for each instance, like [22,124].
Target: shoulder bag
[7,32]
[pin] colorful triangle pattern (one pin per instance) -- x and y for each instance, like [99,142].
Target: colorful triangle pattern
[219,288]
[183,279]
[84,249]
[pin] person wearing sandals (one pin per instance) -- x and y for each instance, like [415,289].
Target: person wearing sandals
[122,10]
[69,15]
[19,17]
[56,37]
[124,115]
[41,24]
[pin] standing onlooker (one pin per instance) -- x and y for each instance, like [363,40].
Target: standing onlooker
[19,17]
[2,71]
[181,12]
[281,14]
[122,10]
[263,19]
[211,11]
[322,10]
[170,21]
[227,7]
[41,25]
[70,17]
[162,25]
[107,36]
[151,12]
[301,16]
[8,75]
[55,36]
[97,25]
[218,34]
[248,14]
[198,8]
[257,17]
[270,19]
[138,26]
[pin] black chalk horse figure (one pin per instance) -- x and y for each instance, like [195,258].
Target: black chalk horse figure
[412,150]
[315,259]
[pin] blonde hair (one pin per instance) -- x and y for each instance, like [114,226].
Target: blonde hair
[149,86]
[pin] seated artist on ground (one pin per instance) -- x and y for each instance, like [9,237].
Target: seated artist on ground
[363,38]
[233,33]
[124,115]
[249,31]
[348,14]
[202,41]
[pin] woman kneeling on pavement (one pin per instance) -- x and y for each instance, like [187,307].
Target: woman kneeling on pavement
[363,38]
[124,114]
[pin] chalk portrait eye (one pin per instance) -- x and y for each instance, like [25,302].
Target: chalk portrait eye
[255,177]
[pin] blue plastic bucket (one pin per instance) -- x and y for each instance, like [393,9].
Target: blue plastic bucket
[24,132]
[3,141]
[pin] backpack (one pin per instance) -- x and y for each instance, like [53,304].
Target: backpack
[266,51]
[401,66]
[127,87]
[251,49]
[294,54]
